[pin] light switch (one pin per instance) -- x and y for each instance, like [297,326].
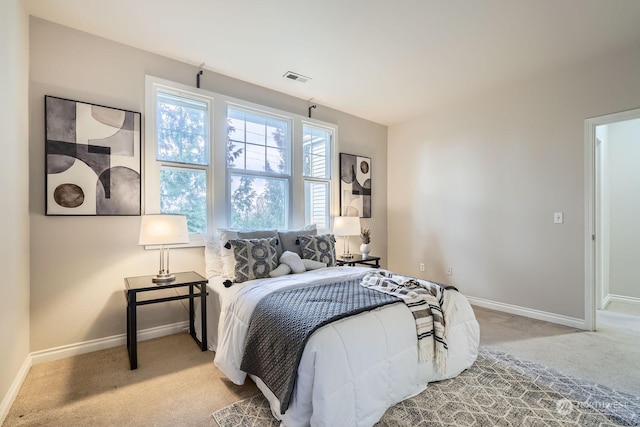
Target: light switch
[558,218]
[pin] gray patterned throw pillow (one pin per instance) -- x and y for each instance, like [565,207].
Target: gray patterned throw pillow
[255,258]
[319,248]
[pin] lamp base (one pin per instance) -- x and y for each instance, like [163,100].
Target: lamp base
[163,278]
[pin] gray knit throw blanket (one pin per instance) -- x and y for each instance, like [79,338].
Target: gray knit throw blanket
[426,302]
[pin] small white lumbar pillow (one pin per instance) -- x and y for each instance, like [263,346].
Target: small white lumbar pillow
[310,264]
[293,260]
[281,270]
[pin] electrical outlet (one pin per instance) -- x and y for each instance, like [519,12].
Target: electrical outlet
[422,266]
[450,271]
[558,217]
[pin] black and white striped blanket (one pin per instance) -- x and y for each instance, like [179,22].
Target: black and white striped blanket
[426,300]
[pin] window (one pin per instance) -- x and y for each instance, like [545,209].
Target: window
[224,162]
[316,152]
[259,165]
[180,150]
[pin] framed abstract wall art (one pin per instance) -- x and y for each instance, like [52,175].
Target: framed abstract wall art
[93,159]
[355,185]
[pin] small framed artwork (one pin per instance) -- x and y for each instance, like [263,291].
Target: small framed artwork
[93,159]
[355,185]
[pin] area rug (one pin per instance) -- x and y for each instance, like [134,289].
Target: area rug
[498,390]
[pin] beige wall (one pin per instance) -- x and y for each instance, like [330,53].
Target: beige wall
[14,187]
[623,141]
[474,185]
[78,263]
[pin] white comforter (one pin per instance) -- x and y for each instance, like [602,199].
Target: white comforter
[351,370]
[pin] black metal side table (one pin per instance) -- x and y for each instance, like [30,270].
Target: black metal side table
[139,290]
[371,261]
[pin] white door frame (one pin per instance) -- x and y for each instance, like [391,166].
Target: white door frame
[590,206]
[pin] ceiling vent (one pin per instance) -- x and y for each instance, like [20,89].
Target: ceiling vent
[295,76]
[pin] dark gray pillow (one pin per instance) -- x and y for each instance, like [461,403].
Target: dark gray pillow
[319,248]
[257,234]
[288,240]
[255,258]
[262,234]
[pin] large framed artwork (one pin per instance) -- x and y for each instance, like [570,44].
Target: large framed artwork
[93,159]
[355,185]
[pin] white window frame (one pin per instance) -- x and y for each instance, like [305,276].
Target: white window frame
[296,192]
[218,210]
[332,167]
[152,165]
[288,176]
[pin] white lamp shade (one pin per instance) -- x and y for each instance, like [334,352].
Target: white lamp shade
[163,230]
[346,226]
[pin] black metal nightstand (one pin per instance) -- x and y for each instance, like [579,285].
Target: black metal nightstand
[371,261]
[142,286]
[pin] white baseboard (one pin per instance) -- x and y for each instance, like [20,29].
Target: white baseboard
[12,393]
[528,312]
[619,298]
[104,343]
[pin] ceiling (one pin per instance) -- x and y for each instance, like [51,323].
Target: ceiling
[386,61]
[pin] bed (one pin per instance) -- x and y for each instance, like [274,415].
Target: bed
[351,370]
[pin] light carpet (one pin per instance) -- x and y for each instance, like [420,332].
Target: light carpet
[498,390]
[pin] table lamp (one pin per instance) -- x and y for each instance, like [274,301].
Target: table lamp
[163,230]
[346,226]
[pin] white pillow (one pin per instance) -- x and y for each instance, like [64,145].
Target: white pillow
[281,270]
[310,264]
[293,260]
[228,259]
[212,256]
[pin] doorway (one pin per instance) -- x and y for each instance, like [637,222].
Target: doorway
[612,249]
